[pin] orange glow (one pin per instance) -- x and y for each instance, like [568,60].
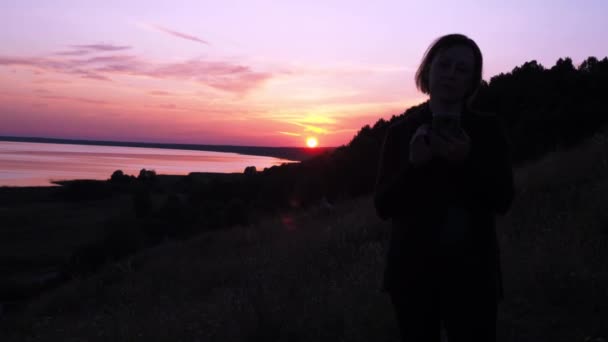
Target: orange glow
[312,142]
[62,105]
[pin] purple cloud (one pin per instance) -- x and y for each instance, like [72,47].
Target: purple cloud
[179,34]
[220,75]
[225,76]
[112,64]
[85,49]
[93,76]
[39,62]
[73,53]
[16,61]
[112,59]
[78,99]
[67,66]
[100,47]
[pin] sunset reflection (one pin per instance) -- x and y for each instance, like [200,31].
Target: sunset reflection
[37,164]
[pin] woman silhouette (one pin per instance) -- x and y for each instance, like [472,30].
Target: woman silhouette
[444,175]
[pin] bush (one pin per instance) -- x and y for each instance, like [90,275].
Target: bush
[83,190]
[120,178]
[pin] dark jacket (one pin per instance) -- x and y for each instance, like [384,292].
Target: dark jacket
[416,199]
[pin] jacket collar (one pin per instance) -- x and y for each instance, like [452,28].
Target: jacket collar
[426,116]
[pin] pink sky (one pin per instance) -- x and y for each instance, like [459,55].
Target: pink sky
[264,73]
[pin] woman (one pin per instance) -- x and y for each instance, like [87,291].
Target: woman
[444,175]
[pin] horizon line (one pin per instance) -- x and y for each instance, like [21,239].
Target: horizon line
[13,138]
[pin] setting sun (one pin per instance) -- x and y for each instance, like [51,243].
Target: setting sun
[311,142]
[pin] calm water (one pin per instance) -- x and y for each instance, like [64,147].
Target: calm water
[35,164]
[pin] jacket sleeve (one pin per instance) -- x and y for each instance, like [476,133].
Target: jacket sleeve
[399,185]
[495,182]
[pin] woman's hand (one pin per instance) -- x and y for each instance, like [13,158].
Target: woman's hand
[453,147]
[420,150]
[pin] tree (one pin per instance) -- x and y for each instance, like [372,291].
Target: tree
[250,170]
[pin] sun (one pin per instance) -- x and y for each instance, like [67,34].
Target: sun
[312,142]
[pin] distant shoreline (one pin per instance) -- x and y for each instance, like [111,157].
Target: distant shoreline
[289,153]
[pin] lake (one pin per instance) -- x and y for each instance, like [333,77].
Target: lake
[37,164]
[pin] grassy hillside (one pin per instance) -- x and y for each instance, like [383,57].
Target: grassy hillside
[315,275]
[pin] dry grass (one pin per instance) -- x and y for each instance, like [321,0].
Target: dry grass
[307,276]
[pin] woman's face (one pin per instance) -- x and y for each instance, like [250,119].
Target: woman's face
[451,73]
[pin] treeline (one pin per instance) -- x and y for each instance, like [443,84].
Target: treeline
[548,109]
